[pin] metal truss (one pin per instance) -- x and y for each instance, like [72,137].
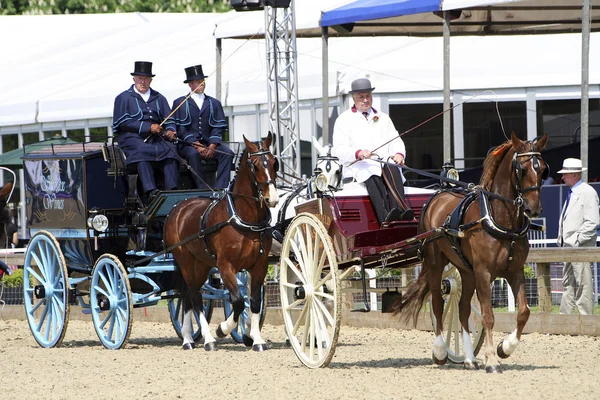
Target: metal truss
[282,80]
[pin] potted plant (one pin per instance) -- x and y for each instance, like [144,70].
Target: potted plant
[12,290]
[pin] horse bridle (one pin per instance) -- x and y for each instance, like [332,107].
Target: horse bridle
[263,154]
[518,169]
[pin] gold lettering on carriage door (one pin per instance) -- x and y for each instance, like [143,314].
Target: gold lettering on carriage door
[50,188]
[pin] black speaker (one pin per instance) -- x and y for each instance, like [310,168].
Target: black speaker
[278,3]
[247,5]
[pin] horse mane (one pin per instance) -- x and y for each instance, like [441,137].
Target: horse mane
[492,162]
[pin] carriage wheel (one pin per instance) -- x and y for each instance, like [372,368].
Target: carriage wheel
[451,292]
[110,302]
[238,332]
[176,311]
[310,292]
[46,288]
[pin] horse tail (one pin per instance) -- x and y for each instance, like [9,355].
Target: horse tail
[410,304]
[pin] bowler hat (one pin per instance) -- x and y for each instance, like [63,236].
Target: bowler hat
[361,85]
[143,68]
[571,165]
[194,73]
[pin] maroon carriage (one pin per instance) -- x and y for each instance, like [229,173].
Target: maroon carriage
[336,235]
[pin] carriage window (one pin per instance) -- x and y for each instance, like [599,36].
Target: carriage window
[482,128]
[424,145]
[561,119]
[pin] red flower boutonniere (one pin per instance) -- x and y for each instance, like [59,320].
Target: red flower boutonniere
[375,118]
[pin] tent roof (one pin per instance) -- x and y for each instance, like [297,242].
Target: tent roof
[416,18]
[477,17]
[13,158]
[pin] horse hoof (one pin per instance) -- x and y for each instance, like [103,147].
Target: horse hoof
[259,347]
[471,366]
[188,346]
[210,346]
[500,351]
[248,341]
[220,333]
[493,369]
[439,362]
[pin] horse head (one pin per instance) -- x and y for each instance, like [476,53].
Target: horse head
[529,170]
[263,166]
[329,165]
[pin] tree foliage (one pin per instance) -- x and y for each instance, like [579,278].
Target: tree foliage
[43,7]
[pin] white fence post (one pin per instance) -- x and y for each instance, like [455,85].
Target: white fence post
[373,284]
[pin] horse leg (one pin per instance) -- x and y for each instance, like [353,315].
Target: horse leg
[209,340]
[435,267]
[507,346]
[464,312]
[254,339]
[237,302]
[484,294]
[186,327]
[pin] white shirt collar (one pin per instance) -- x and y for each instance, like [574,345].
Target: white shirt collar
[198,98]
[145,96]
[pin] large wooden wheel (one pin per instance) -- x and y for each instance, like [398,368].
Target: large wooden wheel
[310,291]
[46,289]
[451,292]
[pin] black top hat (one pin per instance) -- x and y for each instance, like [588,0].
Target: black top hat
[194,73]
[361,85]
[143,68]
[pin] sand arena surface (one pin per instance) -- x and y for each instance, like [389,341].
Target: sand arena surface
[368,364]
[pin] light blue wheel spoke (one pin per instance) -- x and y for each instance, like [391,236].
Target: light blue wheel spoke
[102,291]
[104,321]
[111,327]
[42,318]
[35,275]
[104,280]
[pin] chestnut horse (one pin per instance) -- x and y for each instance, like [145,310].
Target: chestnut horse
[494,245]
[231,233]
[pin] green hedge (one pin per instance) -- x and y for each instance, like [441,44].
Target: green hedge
[13,280]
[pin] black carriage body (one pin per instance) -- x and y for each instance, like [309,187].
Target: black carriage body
[62,186]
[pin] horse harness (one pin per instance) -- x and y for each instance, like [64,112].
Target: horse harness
[454,224]
[234,219]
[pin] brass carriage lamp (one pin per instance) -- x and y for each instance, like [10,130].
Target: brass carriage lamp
[448,173]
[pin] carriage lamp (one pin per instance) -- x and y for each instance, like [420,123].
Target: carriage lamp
[449,172]
[321,183]
[99,222]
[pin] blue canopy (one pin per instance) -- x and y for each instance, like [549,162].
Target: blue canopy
[363,10]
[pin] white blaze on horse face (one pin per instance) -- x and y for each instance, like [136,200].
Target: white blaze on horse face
[273,197]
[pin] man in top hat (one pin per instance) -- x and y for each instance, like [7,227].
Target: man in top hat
[143,134]
[362,133]
[200,124]
[579,219]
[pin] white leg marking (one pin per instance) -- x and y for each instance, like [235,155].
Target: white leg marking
[186,328]
[228,325]
[468,348]
[510,343]
[439,348]
[208,337]
[255,329]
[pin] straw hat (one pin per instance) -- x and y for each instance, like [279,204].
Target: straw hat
[571,165]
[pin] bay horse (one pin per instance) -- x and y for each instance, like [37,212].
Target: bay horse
[494,219]
[231,233]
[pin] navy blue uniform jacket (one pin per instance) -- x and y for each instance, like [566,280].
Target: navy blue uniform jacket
[132,118]
[205,125]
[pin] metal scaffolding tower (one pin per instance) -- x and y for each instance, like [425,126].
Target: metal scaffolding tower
[282,80]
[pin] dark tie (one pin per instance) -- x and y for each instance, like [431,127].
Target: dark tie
[366,114]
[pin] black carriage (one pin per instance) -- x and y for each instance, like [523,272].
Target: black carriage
[95,244]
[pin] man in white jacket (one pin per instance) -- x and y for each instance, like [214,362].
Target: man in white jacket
[361,133]
[577,226]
